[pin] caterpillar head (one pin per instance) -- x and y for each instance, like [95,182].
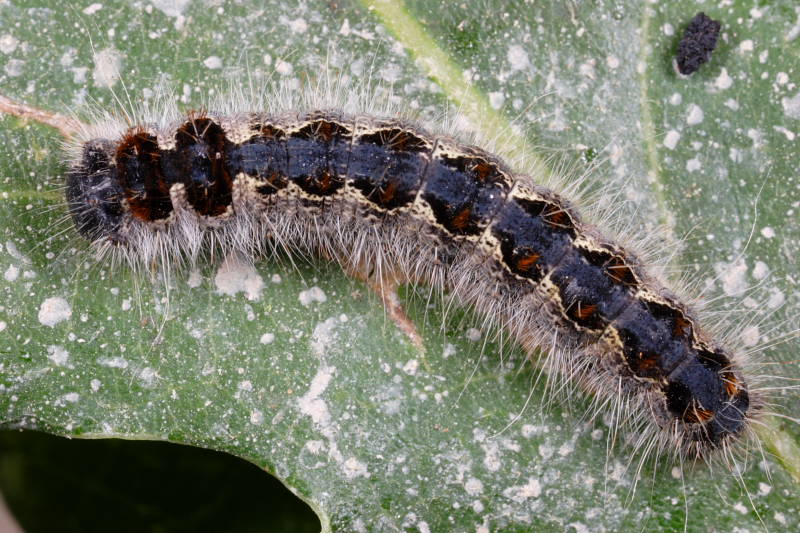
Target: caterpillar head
[93,196]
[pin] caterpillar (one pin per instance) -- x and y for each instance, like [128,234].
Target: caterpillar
[382,194]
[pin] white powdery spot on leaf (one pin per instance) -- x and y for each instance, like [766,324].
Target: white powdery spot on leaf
[671,139]
[491,450]
[58,355]
[723,81]
[92,9]
[496,100]
[171,8]
[11,273]
[411,367]
[113,362]
[256,417]
[791,106]
[518,57]
[353,468]
[473,486]
[213,62]
[750,336]
[695,115]
[54,310]
[733,277]
[148,376]
[237,275]
[520,493]
[311,404]
[314,294]
[71,397]
[8,43]
[760,270]
[107,64]
[323,336]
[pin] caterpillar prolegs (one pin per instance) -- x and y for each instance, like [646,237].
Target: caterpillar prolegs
[378,192]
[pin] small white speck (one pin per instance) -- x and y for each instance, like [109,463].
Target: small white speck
[411,367]
[283,68]
[693,164]
[760,270]
[171,8]
[518,57]
[54,310]
[780,518]
[496,100]
[58,355]
[473,486]
[11,273]
[246,385]
[298,25]
[782,78]
[126,304]
[612,62]
[8,43]
[474,334]
[256,417]
[671,139]
[767,232]
[750,336]
[148,375]
[520,493]
[71,397]
[107,64]
[353,468]
[746,45]
[668,29]
[236,274]
[14,67]
[791,106]
[449,349]
[314,294]
[113,362]
[213,62]
[676,99]
[764,489]
[695,115]
[267,338]
[676,472]
[92,9]
[95,384]
[723,81]
[756,13]
[741,508]
[3,325]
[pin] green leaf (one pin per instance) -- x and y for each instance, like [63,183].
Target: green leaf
[373,433]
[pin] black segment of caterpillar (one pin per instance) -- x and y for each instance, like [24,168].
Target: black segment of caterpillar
[433,206]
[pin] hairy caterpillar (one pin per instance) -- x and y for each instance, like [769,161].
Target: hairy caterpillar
[383,195]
